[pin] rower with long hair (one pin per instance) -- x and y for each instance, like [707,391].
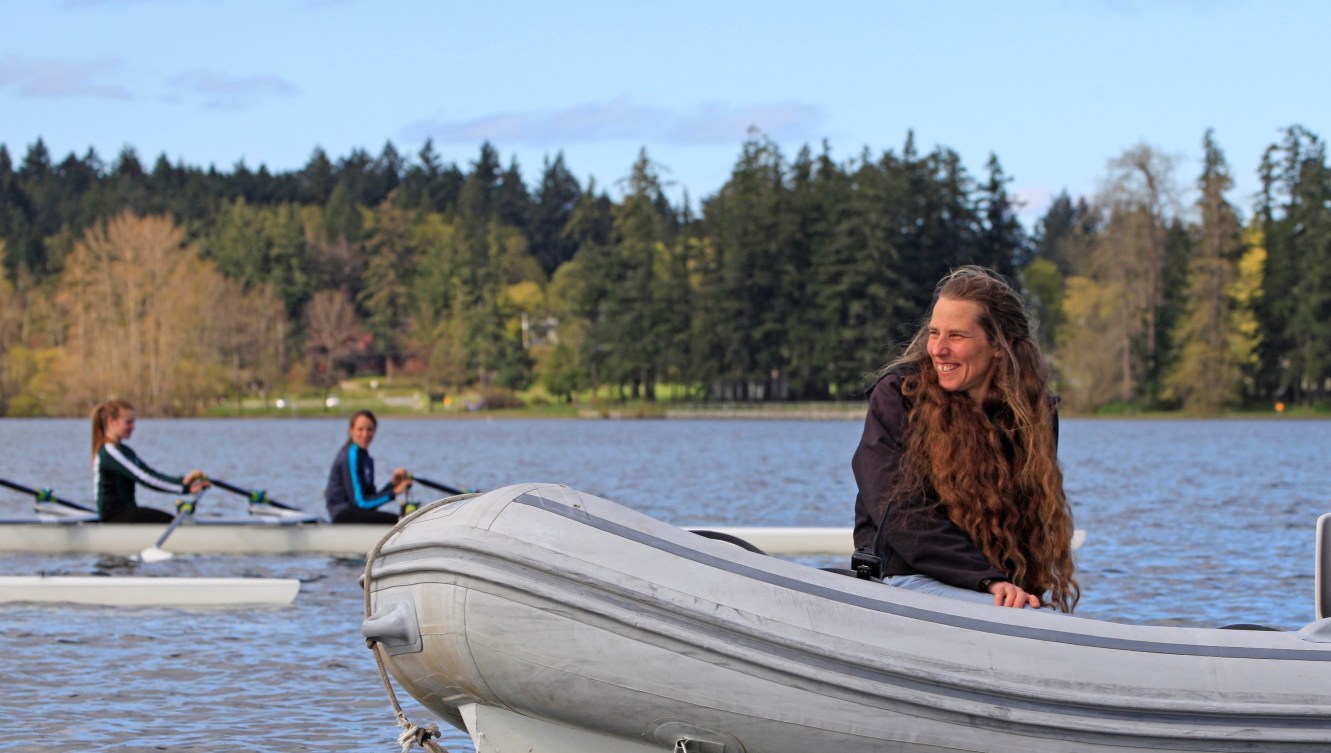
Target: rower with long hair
[960,492]
[117,469]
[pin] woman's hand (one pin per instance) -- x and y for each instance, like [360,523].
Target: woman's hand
[1011,595]
[401,480]
[195,480]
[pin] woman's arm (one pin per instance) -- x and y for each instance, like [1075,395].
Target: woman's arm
[878,456]
[917,531]
[361,473]
[122,460]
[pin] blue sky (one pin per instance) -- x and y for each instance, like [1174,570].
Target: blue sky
[1054,88]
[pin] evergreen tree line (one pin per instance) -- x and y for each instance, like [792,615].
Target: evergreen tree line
[178,286]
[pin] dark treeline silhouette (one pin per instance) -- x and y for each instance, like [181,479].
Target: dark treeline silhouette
[177,285]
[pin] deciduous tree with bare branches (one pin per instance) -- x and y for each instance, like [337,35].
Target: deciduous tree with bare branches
[139,302]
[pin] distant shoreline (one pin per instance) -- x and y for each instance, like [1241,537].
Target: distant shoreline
[793,411]
[681,411]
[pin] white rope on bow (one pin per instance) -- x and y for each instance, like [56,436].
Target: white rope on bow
[413,734]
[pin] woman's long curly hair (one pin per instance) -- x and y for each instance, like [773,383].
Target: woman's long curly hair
[993,467]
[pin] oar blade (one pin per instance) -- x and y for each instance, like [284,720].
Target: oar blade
[155,554]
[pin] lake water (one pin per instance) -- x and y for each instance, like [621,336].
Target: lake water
[1190,523]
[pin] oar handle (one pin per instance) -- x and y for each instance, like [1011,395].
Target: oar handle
[441,487]
[44,495]
[255,496]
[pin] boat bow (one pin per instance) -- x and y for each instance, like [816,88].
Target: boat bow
[540,605]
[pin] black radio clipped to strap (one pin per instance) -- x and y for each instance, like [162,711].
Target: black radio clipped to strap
[866,564]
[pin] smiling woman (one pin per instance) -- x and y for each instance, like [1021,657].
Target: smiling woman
[118,469]
[960,492]
[350,495]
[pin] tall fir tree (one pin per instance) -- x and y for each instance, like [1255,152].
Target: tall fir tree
[512,201]
[1213,348]
[1294,310]
[1002,242]
[317,178]
[556,198]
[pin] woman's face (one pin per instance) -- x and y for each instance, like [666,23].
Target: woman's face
[961,353]
[121,427]
[362,432]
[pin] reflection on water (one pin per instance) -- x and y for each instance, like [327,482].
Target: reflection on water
[1190,523]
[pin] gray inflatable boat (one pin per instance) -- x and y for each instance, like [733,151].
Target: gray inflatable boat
[541,618]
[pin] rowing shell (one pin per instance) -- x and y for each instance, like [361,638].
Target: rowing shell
[134,591]
[243,536]
[212,537]
[263,536]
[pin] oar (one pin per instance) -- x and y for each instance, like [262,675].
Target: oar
[44,495]
[156,553]
[255,496]
[441,487]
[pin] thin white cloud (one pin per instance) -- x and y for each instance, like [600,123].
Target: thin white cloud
[57,79]
[63,79]
[623,119]
[219,91]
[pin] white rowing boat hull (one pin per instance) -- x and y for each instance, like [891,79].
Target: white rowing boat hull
[213,538]
[288,532]
[242,538]
[545,619]
[134,591]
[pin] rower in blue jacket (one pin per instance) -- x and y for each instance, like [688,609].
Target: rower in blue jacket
[350,494]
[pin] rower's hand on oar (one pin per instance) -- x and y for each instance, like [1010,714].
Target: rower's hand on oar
[196,481]
[401,480]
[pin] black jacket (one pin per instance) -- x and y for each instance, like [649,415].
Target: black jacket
[915,536]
